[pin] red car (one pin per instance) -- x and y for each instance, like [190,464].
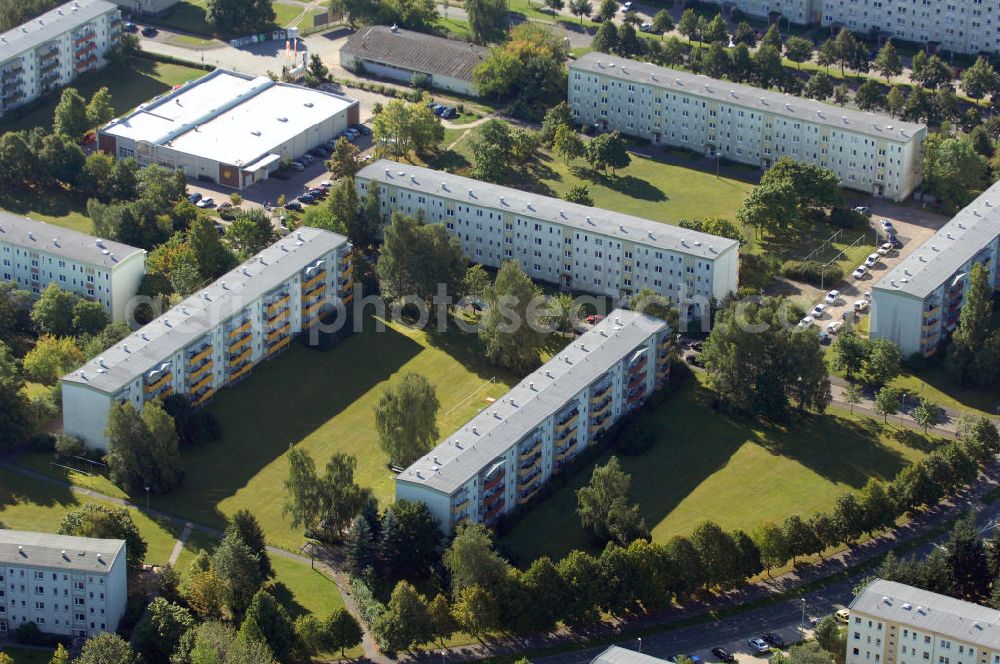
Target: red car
[594,319]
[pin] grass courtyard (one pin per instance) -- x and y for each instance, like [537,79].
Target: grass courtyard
[736,472]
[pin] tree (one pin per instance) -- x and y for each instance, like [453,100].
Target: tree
[773,547]
[607,150]
[567,143]
[475,610]
[927,413]
[237,17]
[529,69]
[417,259]
[580,577]
[106,648]
[827,54]
[403,127]
[719,555]
[967,560]
[158,634]
[604,509]
[868,96]
[768,69]
[323,505]
[688,24]
[888,401]
[714,61]
[555,117]
[405,419]
[852,395]
[952,170]
[974,354]
[492,148]
[410,544]
[608,9]
[70,118]
[772,37]
[980,79]
[245,526]
[443,623]
[472,561]
[250,232]
[53,311]
[143,448]
[101,109]
[798,49]
[214,260]
[343,631]
[205,593]
[845,47]
[217,643]
[715,31]
[934,72]
[302,490]
[878,507]
[848,518]
[405,622]
[882,362]
[238,567]
[510,330]
[318,72]
[841,94]
[360,549]
[580,8]
[980,437]
[663,22]
[819,86]
[345,160]
[887,61]
[800,537]
[267,621]
[105,522]
[849,353]
[60,656]
[894,101]
[51,359]
[606,38]
[579,194]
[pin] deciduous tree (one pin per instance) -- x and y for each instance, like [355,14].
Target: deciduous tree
[604,509]
[405,419]
[106,522]
[510,331]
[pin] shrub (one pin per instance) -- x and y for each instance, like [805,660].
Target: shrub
[420,81]
[368,606]
[812,272]
[636,437]
[68,446]
[845,218]
[29,634]
[42,442]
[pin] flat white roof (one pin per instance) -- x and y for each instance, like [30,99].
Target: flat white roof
[58,241]
[63,552]
[229,117]
[50,25]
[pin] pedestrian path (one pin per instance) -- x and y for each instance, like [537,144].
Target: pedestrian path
[179,544]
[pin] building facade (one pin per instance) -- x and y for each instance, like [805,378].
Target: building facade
[501,457]
[49,51]
[215,337]
[917,303]
[399,55]
[71,586]
[574,246]
[34,254]
[869,152]
[229,128]
[891,623]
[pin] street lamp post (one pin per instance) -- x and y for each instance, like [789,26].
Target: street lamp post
[640,644]
[147,498]
[802,621]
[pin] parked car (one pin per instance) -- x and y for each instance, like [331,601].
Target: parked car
[325,185]
[220,228]
[861,305]
[307,199]
[885,249]
[594,319]
[842,616]
[887,226]
[860,272]
[149,31]
[449,112]
[362,129]
[759,646]
[297,166]
[194,198]
[872,259]
[861,209]
[832,296]
[824,337]
[895,242]
[596,18]
[306,159]
[317,192]
[774,640]
[868,295]
[205,203]
[696,346]
[693,360]
[806,322]
[834,327]
[818,310]
[723,655]
[131,27]
[646,27]
[224,206]
[293,205]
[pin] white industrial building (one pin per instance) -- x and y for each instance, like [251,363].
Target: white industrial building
[571,245]
[51,50]
[891,623]
[396,54]
[502,456]
[869,152]
[216,336]
[917,303]
[34,254]
[71,586]
[229,128]
[147,6]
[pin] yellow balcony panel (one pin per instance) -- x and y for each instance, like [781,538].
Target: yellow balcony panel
[601,411]
[242,372]
[525,499]
[240,330]
[203,398]
[200,371]
[458,507]
[347,270]
[315,280]
[277,319]
[568,424]
[308,311]
[241,343]
[570,433]
[202,383]
[527,453]
[524,472]
[565,453]
[152,387]
[347,298]
[278,346]
[599,396]
[242,356]
[200,356]
[277,333]
[277,305]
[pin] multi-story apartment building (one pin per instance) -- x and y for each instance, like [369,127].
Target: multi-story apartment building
[916,304]
[50,51]
[216,336]
[502,456]
[573,246]
[72,586]
[891,623]
[34,254]
[868,152]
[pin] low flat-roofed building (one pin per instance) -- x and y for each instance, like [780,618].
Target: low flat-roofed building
[398,54]
[229,128]
[71,586]
[619,655]
[917,303]
[501,457]
[216,336]
[51,50]
[34,254]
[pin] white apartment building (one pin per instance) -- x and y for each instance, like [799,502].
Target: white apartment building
[869,152]
[573,246]
[72,586]
[917,303]
[50,51]
[216,336]
[891,623]
[502,456]
[34,254]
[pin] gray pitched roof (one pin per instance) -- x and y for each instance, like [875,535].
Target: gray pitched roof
[50,25]
[39,236]
[203,311]
[62,552]
[416,51]
[930,612]
[462,454]
[945,252]
[594,220]
[616,655]
[790,106]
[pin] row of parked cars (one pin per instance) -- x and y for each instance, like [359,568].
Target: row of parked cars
[311,196]
[326,149]
[759,645]
[442,111]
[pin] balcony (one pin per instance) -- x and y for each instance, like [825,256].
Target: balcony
[13,72]
[86,37]
[493,500]
[278,345]
[566,451]
[199,400]
[528,495]
[489,484]
[600,411]
[240,330]
[204,382]
[200,355]
[242,372]
[160,382]
[530,477]
[200,371]
[600,393]
[235,360]
[492,515]
[570,433]
[50,66]
[310,310]
[526,471]
[567,424]
[346,271]
[314,280]
[530,451]
[277,304]
[347,298]
[240,343]
[637,365]
[636,396]
[84,64]
[273,336]
[458,507]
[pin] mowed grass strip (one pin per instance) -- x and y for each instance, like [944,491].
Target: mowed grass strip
[738,473]
[322,401]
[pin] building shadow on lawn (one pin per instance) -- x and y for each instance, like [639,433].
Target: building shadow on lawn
[628,185]
[914,440]
[52,203]
[15,489]
[466,349]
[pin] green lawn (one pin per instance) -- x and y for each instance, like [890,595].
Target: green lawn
[324,402]
[187,16]
[61,209]
[285,14]
[738,473]
[28,655]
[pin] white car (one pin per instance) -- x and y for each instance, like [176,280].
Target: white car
[871,260]
[832,296]
[887,226]
[806,322]
[834,327]
[297,166]
[759,645]
[817,311]
[646,27]
[861,305]
[868,295]
[205,203]
[885,249]
[860,272]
